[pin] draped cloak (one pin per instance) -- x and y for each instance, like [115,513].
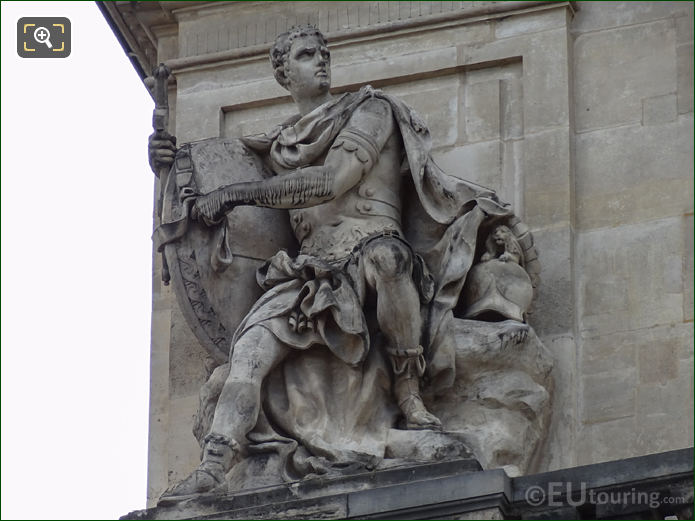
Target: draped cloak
[333,407]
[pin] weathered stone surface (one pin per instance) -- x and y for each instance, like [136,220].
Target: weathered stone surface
[658,362]
[657,482]
[187,371]
[688,266]
[563,417]
[684,57]
[551,313]
[240,122]
[502,393]
[425,445]
[623,275]
[479,162]
[610,86]
[597,16]
[547,187]
[436,101]
[546,80]
[659,109]
[665,398]
[618,184]
[183,450]
[482,111]
[608,396]
[529,23]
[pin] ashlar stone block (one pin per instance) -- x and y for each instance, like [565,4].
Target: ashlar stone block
[659,109]
[684,55]
[688,263]
[482,111]
[529,23]
[559,450]
[684,24]
[183,449]
[664,431]
[672,397]
[478,162]
[552,311]
[608,396]
[594,16]
[658,362]
[255,120]
[610,85]
[620,183]
[355,53]
[606,441]
[436,100]
[622,276]
[394,66]
[187,372]
[613,351]
[546,80]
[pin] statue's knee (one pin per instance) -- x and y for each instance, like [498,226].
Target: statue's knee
[390,258]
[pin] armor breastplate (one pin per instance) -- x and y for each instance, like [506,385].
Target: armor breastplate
[331,230]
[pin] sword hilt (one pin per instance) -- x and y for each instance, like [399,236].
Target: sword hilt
[160,115]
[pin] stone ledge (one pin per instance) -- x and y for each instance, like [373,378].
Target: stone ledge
[460,490]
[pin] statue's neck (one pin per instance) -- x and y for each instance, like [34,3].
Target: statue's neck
[306,105]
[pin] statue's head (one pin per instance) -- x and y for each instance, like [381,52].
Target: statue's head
[501,235]
[301,61]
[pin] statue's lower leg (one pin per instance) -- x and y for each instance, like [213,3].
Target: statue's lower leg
[218,458]
[408,367]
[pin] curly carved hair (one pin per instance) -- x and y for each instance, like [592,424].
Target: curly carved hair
[281,49]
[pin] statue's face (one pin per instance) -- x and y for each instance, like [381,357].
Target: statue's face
[308,68]
[500,235]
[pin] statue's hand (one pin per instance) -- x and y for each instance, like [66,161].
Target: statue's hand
[161,148]
[200,211]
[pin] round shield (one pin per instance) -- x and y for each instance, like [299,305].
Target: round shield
[213,269]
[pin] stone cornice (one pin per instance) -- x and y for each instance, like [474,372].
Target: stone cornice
[139,25]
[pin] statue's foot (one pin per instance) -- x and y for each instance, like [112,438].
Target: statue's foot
[200,481]
[417,417]
[218,457]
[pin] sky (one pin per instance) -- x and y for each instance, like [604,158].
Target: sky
[76,264]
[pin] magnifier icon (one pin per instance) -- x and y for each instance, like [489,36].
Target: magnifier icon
[42,35]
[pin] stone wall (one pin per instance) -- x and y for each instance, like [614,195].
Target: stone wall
[633,222]
[579,114]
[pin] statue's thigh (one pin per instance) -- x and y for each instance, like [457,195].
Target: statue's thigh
[256,353]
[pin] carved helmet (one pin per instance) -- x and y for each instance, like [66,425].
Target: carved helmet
[497,290]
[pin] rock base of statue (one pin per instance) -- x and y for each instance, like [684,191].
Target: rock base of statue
[454,489]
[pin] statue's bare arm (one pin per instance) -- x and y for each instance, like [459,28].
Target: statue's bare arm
[353,153]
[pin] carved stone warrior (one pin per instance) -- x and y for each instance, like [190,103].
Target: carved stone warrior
[355,174]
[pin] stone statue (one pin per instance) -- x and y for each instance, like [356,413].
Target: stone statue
[502,245]
[334,363]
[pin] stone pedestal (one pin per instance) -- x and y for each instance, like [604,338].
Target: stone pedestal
[657,486]
[456,489]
